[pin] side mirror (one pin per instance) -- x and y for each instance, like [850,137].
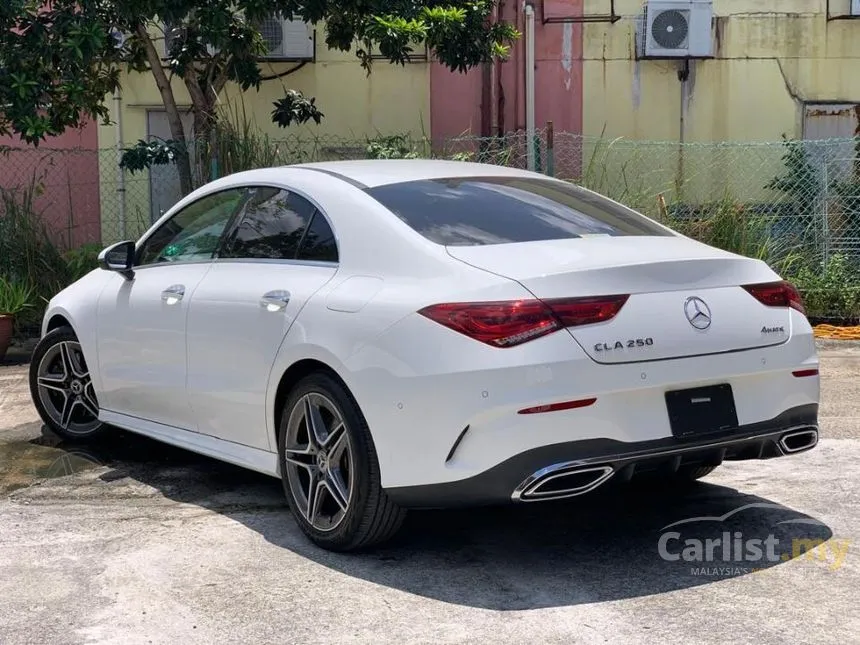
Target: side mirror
[118,257]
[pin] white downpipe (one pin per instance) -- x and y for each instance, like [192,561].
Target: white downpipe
[529,11]
[120,145]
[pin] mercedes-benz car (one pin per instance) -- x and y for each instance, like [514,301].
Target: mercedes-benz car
[384,335]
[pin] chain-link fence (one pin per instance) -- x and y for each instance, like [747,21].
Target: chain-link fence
[795,204]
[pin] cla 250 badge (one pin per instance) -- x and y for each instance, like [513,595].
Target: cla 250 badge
[629,344]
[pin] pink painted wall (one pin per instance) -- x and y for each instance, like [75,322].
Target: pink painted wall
[456,99]
[68,168]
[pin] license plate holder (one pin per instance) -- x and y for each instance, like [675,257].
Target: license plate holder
[701,410]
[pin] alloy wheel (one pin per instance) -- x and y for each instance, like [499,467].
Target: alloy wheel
[319,461]
[66,389]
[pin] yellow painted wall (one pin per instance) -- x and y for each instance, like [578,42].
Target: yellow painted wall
[771,57]
[393,99]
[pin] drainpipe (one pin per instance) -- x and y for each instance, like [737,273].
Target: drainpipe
[684,77]
[494,81]
[529,11]
[120,191]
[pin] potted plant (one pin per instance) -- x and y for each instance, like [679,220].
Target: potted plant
[15,297]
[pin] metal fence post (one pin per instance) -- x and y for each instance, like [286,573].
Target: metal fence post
[550,150]
[825,224]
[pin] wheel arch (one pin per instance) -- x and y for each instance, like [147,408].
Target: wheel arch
[288,380]
[57,320]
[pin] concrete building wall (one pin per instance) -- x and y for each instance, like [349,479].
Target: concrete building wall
[770,57]
[67,168]
[393,99]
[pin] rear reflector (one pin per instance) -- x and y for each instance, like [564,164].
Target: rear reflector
[803,373]
[555,407]
[510,323]
[777,294]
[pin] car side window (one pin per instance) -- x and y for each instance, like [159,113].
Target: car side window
[319,243]
[194,232]
[271,225]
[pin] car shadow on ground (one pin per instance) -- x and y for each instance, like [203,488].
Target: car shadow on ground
[591,549]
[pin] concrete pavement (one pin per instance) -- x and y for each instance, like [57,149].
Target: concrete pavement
[129,541]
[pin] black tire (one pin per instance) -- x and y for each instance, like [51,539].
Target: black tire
[370,518]
[83,425]
[693,473]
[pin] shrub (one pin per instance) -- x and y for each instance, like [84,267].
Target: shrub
[27,252]
[31,259]
[15,296]
[81,261]
[830,290]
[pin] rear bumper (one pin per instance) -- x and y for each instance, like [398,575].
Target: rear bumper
[522,477]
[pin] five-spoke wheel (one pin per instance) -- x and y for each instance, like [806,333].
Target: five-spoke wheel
[330,469]
[62,388]
[319,461]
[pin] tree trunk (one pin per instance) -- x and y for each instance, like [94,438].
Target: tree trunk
[204,134]
[177,132]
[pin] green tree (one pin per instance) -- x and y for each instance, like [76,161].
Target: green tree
[60,60]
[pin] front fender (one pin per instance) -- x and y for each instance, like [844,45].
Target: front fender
[77,304]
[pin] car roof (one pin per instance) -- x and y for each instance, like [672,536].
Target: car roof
[369,173]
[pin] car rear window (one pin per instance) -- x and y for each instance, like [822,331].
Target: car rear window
[474,211]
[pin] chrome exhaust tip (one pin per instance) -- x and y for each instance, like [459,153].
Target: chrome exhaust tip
[561,480]
[798,440]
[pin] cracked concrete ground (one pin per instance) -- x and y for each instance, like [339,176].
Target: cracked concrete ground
[129,541]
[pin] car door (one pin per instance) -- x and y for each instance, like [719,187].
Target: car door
[280,251]
[142,321]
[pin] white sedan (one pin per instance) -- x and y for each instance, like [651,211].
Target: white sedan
[385,335]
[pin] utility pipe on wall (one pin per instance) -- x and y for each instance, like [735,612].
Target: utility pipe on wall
[529,12]
[117,98]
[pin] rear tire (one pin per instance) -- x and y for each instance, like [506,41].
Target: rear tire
[694,473]
[330,470]
[62,389]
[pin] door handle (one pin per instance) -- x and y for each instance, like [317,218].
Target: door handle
[275,300]
[173,294]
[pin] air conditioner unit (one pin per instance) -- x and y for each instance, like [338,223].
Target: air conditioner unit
[291,40]
[288,39]
[678,29]
[855,7]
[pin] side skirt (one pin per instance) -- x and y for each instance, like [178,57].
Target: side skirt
[255,459]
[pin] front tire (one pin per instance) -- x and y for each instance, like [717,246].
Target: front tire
[62,389]
[330,470]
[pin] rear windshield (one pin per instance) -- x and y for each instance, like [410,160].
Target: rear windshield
[474,211]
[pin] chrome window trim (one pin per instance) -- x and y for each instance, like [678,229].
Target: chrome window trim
[316,263]
[294,262]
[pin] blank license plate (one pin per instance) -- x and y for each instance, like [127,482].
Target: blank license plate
[702,410]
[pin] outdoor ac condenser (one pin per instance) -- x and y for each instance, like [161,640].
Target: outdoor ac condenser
[291,40]
[679,28]
[288,39]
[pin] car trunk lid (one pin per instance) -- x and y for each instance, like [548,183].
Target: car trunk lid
[685,298]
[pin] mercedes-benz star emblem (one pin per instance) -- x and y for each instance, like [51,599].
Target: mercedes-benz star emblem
[698,313]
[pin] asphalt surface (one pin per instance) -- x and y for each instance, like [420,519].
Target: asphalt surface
[129,541]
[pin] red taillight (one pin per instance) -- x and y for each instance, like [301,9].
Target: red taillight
[586,311]
[777,294]
[509,323]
